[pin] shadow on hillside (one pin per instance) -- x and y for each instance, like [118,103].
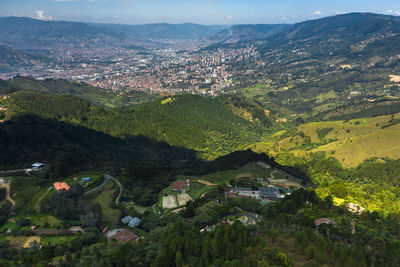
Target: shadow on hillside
[69,148]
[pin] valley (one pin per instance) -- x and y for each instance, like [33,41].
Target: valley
[200,145]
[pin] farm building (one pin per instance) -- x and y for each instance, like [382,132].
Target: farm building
[177,186]
[61,186]
[243,192]
[269,192]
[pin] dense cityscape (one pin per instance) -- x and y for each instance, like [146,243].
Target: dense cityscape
[166,70]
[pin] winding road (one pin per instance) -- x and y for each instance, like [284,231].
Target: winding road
[106,178]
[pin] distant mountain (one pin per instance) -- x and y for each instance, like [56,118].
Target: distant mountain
[158,31]
[28,33]
[354,33]
[250,32]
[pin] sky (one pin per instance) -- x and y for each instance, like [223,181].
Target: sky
[196,11]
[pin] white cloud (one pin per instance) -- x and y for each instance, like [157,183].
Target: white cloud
[40,15]
[394,12]
[317,13]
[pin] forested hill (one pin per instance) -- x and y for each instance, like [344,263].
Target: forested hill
[211,126]
[94,95]
[348,35]
[28,33]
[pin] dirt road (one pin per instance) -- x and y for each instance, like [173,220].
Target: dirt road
[8,196]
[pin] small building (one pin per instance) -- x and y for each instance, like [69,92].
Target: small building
[355,208]
[2,181]
[61,186]
[177,186]
[86,179]
[187,182]
[124,235]
[37,166]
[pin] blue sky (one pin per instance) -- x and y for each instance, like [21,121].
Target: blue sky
[197,11]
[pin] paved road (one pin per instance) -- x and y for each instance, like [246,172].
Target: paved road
[106,178]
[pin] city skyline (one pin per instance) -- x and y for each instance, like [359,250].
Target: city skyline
[201,12]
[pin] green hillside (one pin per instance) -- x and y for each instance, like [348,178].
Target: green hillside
[350,142]
[211,126]
[89,93]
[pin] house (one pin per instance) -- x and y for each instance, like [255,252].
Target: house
[37,166]
[320,221]
[269,192]
[123,235]
[177,186]
[2,181]
[61,186]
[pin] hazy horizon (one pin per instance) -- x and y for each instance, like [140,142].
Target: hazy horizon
[207,12]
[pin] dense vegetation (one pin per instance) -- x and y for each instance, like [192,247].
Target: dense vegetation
[286,236]
[207,125]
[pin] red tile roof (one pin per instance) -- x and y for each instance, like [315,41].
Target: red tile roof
[61,186]
[124,236]
[178,185]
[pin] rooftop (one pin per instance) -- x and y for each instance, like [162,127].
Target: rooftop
[124,236]
[61,186]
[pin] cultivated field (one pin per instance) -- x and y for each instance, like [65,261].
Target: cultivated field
[169,202]
[183,199]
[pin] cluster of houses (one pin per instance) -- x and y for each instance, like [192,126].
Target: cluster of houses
[269,192]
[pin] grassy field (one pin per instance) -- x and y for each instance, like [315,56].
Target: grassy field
[54,240]
[197,189]
[105,197]
[351,142]
[26,191]
[251,170]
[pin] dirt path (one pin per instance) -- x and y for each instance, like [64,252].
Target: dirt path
[40,199]
[273,174]
[205,182]
[8,197]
